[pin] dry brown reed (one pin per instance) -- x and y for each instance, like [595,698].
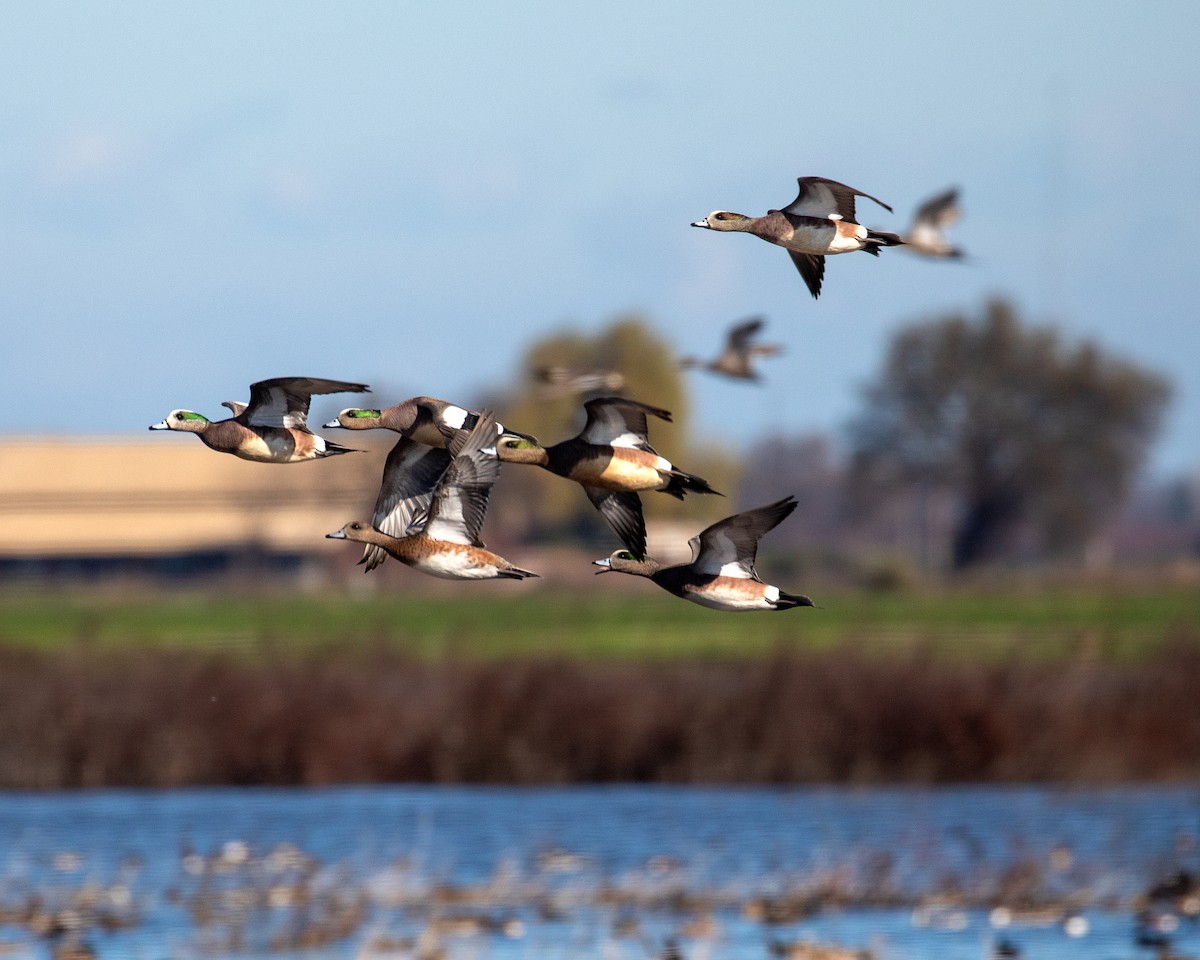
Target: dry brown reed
[90,718]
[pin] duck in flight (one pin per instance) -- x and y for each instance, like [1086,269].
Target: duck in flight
[927,233]
[272,427]
[415,464]
[448,545]
[612,460]
[736,360]
[820,222]
[721,574]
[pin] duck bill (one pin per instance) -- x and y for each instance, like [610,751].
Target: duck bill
[489,452]
[336,535]
[701,223]
[161,425]
[332,424]
[604,565]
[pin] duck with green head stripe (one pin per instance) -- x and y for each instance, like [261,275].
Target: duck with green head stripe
[272,428]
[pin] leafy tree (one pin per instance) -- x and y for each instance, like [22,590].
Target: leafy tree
[1037,439]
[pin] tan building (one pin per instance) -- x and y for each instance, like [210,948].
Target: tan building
[101,496]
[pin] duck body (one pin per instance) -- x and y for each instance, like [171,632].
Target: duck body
[444,559]
[272,428]
[621,469]
[736,594]
[267,444]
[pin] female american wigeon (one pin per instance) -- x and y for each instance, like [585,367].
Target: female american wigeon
[721,574]
[612,460]
[737,359]
[448,545]
[272,428]
[927,234]
[820,222]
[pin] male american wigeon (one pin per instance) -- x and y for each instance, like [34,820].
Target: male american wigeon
[612,460]
[737,359]
[927,233]
[820,222]
[448,544]
[273,427]
[721,574]
[424,419]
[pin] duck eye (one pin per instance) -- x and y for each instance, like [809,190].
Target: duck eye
[624,555]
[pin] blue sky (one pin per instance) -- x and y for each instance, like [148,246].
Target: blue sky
[198,195]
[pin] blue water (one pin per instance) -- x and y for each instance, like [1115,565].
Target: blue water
[388,848]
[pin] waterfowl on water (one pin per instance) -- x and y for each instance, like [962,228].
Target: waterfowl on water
[721,574]
[737,359]
[448,544]
[820,222]
[927,233]
[272,428]
[415,464]
[612,460]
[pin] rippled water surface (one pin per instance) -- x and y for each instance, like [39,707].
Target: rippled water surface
[606,872]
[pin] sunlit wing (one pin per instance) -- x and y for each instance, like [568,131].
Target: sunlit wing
[613,421]
[410,475]
[623,511]
[283,401]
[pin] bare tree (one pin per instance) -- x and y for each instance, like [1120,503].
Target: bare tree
[1038,439]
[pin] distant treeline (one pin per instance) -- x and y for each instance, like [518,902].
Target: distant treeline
[91,718]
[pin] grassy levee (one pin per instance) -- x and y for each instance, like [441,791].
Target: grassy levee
[1068,684]
[487,622]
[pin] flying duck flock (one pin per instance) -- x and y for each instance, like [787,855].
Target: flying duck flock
[437,479]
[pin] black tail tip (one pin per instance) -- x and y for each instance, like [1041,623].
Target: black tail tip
[788,600]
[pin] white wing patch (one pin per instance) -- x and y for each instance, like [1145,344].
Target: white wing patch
[448,522]
[632,440]
[454,416]
[719,557]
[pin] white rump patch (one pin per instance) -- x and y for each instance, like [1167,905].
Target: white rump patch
[454,417]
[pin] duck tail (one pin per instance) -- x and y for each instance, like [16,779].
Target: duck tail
[333,449]
[682,484]
[516,573]
[880,238]
[788,600]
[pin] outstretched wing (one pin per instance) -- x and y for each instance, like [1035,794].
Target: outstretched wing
[410,475]
[819,197]
[461,498]
[940,211]
[623,511]
[283,401]
[740,336]
[812,269]
[729,546]
[617,422]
